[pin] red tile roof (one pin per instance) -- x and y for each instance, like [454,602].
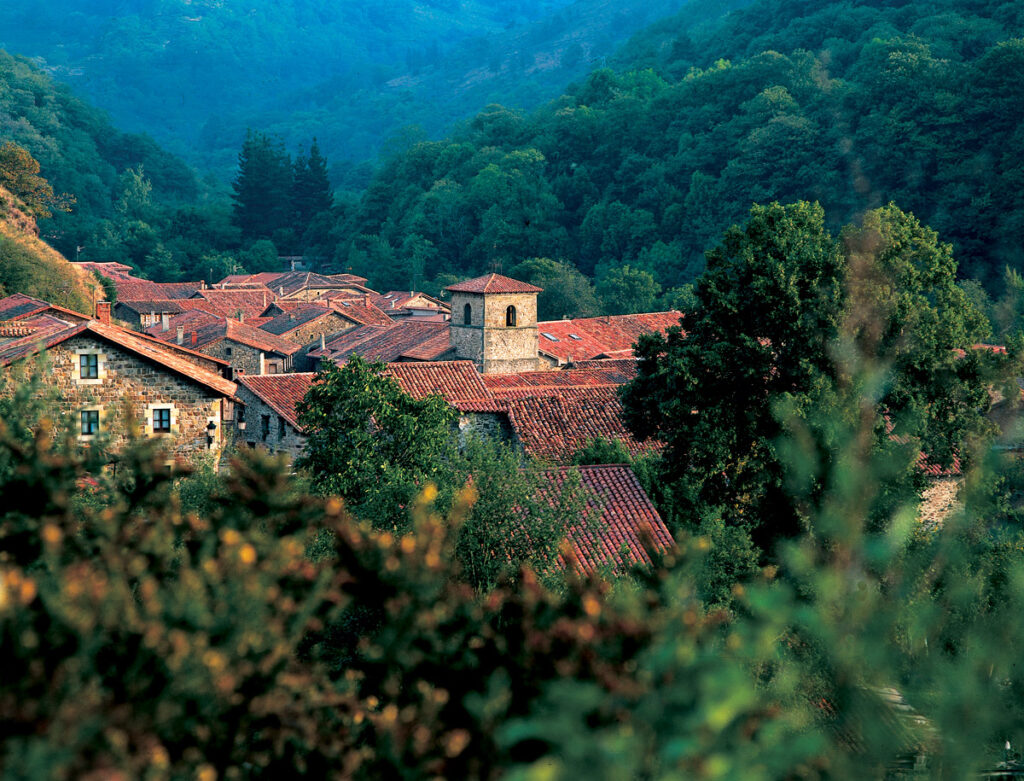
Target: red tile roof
[493,283]
[418,341]
[220,328]
[623,513]
[596,374]
[554,425]
[142,346]
[588,337]
[397,302]
[190,320]
[295,317]
[143,290]
[281,392]
[247,302]
[37,326]
[455,381]
[360,312]
[18,306]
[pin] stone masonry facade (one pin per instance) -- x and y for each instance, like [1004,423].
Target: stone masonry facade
[487,340]
[130,389]
[246,359]
[265,428]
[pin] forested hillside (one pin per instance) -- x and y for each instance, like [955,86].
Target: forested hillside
[854,104]
[197,73]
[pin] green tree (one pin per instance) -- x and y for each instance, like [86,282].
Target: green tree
[311,188]
[374,445]
[567,293]
[626,290]
[768,309]
[520,514]
[19,173]
[262,189]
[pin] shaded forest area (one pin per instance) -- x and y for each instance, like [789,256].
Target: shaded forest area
[196,74]
[851,104]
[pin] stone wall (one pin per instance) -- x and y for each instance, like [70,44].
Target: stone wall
[246,359]
[484,425]
[127,391]
[256,411]
[310,332]
[495,347]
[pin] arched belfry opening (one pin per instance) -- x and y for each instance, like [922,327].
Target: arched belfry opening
[510,317]
[467,314]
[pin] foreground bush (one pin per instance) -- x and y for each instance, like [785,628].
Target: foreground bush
[274,634]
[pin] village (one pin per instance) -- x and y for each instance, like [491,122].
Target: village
[215,367]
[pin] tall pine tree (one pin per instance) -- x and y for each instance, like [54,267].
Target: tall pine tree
[263,187]
[311,190]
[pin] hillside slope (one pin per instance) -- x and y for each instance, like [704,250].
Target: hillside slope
[31,266]
[195,74]
[853,104]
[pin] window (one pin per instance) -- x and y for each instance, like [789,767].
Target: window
[89,366]
[280,427]
[265,427]
[162,420]
[510,317]
[227,351]
[467,314]
[550,337]
[90,422]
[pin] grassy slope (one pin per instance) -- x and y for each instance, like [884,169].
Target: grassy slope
[31,266]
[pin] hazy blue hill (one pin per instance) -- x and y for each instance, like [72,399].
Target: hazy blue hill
[195,73]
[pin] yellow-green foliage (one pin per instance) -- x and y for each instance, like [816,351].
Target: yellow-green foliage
[140,640]
[31,266]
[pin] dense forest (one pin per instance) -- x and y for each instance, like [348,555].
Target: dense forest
[851,104]
[196,74]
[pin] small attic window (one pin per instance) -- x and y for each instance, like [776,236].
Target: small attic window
[552,337]
[576,337]
[345,303]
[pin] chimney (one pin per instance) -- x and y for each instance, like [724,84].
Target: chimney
[165,322]
[181,334]
[103,312]
[366,300]
[280,289]
[195,338]
[241,316]
[323,342]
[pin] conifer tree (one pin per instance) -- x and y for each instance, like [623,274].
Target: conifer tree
[311,189]
[262,189]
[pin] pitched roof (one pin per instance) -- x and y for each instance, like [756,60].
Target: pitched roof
[290,282]
[359,311]
[281,392]
[398,302]
[493,283]
[142,289]
[624,515]
[408,339]
[223,328]
[18,306]
[138,344]
[596,374]
[246,302]
[189,320]
[155,305]
[455,381]
[36,326]
[295,317]
[556,424]
[588,337]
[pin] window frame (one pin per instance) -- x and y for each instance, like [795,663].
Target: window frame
[158,415]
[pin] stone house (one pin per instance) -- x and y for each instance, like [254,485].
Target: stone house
[494,324]
[249,350]
[268,419]
[107,378]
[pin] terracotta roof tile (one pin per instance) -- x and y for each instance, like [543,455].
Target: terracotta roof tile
[281,392]
[247,302]
[596,374]
[387,343]
[588,337]
[624,515]
[493,283]
[131,341]
[455,381]
[360,312]
[17,306]
[212,329]
[295,317]
[554,425]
